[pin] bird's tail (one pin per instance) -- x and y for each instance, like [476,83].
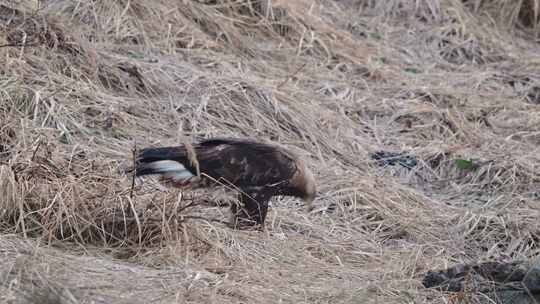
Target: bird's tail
[167,162]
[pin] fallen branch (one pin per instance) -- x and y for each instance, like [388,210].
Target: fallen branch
[492,276]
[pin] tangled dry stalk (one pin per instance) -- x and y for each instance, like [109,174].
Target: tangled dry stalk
[86,81]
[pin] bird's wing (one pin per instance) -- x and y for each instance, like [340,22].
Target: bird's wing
[244,164]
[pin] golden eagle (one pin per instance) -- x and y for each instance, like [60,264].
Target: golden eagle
[257,170]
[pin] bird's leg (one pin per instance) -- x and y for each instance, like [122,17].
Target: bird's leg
[252,212]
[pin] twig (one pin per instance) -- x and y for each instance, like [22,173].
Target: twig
[18,44]
[194,217]
[136,217]
[192,155]
[134,154]
[191,204]
[182,219]
[36,149]
[291,76]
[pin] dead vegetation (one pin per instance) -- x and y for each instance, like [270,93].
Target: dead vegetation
[453,85]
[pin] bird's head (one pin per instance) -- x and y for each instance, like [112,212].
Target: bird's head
[309,192]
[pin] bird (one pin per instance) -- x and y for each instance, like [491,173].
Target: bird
[256,170]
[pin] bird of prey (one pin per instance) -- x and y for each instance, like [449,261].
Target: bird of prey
[258,171]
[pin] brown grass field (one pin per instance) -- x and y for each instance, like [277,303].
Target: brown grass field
[442,81]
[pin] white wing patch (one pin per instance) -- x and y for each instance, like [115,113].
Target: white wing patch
[173,171]
[163,166]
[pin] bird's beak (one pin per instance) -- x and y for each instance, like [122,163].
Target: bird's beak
[309,202]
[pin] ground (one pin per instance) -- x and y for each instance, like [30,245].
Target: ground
[449,90]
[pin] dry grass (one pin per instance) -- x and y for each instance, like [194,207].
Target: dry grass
[86,82]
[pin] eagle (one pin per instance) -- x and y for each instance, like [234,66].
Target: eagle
[257,171]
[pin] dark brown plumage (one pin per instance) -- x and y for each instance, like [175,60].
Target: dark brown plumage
[257,170]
